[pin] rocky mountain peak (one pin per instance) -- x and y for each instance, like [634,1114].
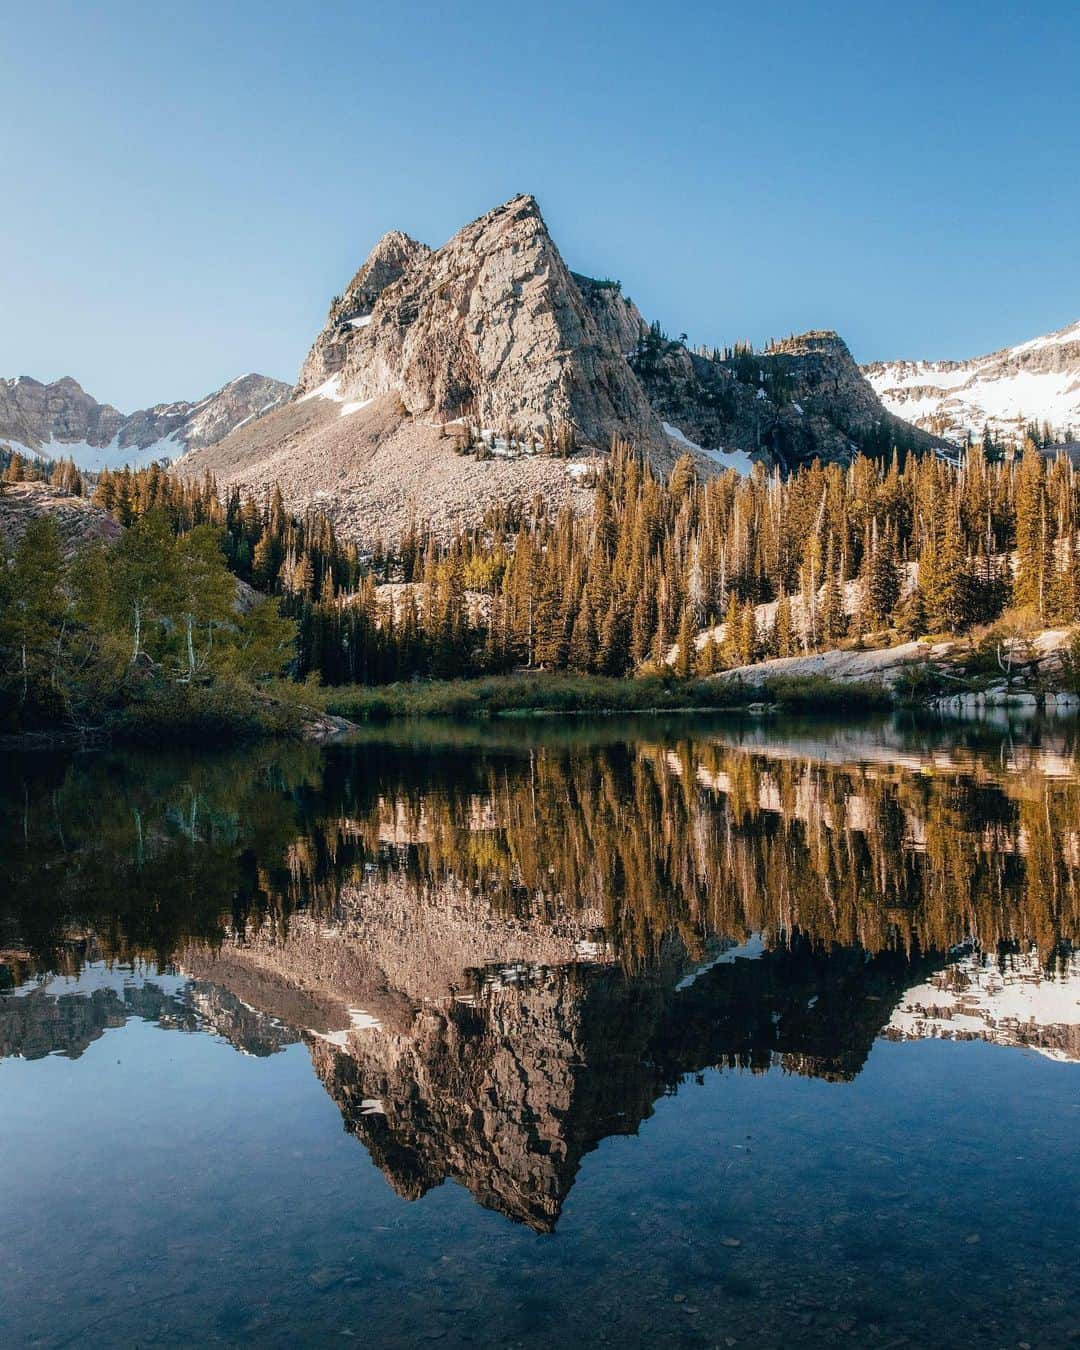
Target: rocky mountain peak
[491,327]
[823,341]
[391,257]
[494,331]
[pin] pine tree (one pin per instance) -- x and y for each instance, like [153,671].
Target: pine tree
[686,652]
[32,614]
[612,657]
[1031,551]
[784,632]
[708,661]
[833,618]
[730,647]
[883,577]
[582,652]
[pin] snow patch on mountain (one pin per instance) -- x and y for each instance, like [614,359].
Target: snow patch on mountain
[1035,381]
[738,460]
[1015,1002]
[97,457]
[330,389]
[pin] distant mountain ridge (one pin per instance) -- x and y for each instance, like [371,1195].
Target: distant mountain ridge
[1035,381]
[61,420]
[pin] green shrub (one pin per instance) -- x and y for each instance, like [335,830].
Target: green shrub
[818,693]
[164,712]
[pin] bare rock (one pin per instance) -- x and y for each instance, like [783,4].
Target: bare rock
[80,522]
[492,327]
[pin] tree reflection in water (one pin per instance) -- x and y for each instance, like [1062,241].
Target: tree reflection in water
[500,948]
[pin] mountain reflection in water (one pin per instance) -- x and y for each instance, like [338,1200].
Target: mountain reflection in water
[498,953]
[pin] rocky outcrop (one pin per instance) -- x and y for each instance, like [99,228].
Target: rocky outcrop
[804,398]
[77,518]
[1036,678]
[1034,382]
[387,262]
[492,327]
[616,315]
[61,420]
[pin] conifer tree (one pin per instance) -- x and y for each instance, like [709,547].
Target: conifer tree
[686,652]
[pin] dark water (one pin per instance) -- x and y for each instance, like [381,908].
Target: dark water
[632,1033]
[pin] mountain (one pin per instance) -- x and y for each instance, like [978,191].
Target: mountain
[61,420]
[490,327]
[1036,381]
[495,1050]
[442,376]
[1014,1002]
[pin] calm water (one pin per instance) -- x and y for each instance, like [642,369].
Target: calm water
[634,1033]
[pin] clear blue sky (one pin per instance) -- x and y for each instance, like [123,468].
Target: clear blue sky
[187,184]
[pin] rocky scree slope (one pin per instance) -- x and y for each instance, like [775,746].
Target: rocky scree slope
[61,420]
[1035,381]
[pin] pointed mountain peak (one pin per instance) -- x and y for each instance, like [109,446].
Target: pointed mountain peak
[391,257]
[491,327]
[520,211]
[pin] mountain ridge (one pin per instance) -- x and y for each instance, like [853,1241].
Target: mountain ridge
[60,419]
[1035,381]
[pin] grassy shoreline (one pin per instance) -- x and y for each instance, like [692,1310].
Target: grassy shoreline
[555,694]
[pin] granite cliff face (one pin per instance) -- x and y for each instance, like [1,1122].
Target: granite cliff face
[1034,382]
[61,420]
[491,327]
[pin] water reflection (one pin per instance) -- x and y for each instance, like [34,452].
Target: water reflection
[499,951]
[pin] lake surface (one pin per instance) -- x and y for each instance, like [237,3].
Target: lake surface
[642,1032]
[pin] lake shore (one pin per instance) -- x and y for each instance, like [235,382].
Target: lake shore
[546,694]
[826,683]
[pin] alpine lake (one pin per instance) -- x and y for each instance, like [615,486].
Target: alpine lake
[687,1031]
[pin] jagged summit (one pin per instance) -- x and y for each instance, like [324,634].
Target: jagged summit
[389,258]
[489,327]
